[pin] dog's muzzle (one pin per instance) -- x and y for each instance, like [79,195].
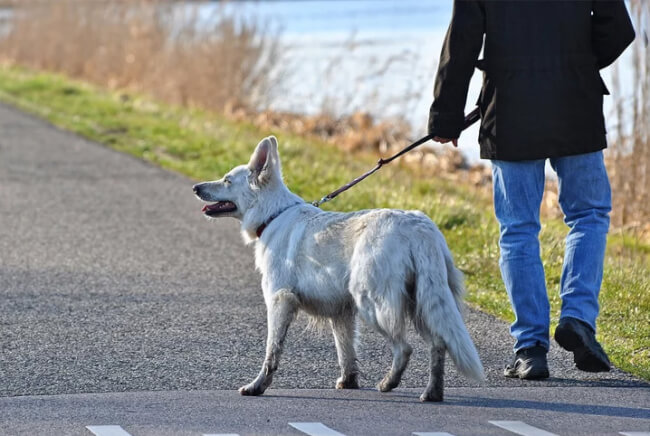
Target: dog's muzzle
[217,208]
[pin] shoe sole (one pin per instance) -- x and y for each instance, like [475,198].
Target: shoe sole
[528,375]
[584,357]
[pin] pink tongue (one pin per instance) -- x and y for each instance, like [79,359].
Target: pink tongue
[219,206]
[211,207]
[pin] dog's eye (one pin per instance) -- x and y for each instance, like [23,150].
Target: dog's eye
[227,181]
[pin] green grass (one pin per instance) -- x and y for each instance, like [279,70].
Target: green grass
[204,145]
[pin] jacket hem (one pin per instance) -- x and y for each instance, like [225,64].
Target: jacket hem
[494,155]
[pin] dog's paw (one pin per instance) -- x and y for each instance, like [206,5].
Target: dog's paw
[350,382]
[431,397]
[387,384]
[251,390]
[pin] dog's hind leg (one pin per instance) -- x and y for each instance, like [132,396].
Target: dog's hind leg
[345,336]
[401,355]
[390,322]
[281,310]
[378,297]
[434,389]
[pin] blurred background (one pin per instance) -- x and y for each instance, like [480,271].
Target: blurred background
[358,73]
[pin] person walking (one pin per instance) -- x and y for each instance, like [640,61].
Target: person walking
[542,98]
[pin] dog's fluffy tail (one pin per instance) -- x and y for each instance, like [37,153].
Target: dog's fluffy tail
[440,312]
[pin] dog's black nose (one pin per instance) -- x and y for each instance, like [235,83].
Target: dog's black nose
[197,188]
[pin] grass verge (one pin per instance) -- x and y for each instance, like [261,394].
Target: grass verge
[203,145]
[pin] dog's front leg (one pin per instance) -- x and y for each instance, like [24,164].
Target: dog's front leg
[345,335]
[281,309]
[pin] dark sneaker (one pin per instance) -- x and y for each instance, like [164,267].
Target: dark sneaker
[528,364]
[576,336]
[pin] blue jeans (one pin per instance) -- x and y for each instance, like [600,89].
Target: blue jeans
[585,199]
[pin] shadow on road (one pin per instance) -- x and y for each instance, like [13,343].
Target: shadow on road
[486,402]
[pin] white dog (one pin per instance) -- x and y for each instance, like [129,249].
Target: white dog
[389,266]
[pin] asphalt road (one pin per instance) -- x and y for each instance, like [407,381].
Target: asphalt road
[585,411]
[112,281]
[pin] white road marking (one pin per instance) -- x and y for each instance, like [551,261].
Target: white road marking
[314,429]
[221,434]
[521,428]
[319,429]
[107,430]
[419,433]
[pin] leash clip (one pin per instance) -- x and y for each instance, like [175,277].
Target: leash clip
[318,203]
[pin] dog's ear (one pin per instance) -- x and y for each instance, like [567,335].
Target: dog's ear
[265,162]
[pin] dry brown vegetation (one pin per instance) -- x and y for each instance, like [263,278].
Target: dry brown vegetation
[629,153]
[360,132]
[154,47]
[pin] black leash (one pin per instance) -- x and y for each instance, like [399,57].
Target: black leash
[470,119]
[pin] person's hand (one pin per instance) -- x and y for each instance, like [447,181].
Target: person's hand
[446,140]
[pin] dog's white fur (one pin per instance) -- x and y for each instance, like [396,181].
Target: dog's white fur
[389,266]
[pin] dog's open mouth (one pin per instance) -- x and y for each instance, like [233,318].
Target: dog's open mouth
[219,208]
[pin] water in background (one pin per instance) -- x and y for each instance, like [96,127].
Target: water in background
[375,56]
[345,56]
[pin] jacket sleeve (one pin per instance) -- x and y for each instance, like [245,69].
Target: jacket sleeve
[611,30]
[460,51]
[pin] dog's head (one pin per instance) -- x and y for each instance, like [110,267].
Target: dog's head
[241,188]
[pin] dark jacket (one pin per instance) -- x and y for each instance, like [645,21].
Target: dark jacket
[542,93]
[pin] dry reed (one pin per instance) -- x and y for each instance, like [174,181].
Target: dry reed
[629,154]
[169,51]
